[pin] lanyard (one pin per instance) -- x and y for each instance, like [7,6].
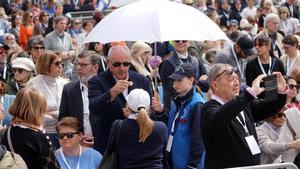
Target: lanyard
[243,124]
[237,63]
[262,68]
[64,158]
[218,99]
[289,64]
[102,63]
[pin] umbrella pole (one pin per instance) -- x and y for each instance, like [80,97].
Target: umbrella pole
[155,68]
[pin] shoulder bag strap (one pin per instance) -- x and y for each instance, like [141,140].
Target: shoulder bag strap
[9,140]
[291,128]
[118,133]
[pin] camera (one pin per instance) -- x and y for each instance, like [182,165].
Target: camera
[271,88]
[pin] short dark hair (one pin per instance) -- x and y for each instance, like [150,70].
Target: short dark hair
[92,55]
[290,40]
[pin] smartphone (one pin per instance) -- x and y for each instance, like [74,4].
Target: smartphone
[271,88]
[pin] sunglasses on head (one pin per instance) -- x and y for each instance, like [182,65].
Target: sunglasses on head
[118,64]
[279,115]
[292,86]
[68,134]
[19,70]
[229,70]
[180,41]
[58,63]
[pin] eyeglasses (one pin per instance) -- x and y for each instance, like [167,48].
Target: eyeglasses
[282,12]
[180,41]
[68,134]
[45,15]
[83,65]
[19,70]
[229,70]
[58,63]
[118,64]
[259,44]
[279,115]
[31,16]
[38,48]
[77,23]
[233,26]
[292,86]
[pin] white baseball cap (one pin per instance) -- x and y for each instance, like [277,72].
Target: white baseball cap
[138,98]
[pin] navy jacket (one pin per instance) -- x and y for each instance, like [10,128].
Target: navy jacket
[108,111]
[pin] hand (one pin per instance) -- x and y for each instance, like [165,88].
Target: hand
[294,144]
[156,106]
[87,141]
[119,87]
[281,83]
[203,77]
[256,84]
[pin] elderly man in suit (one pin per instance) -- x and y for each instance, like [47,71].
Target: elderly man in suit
[108,91]
[74,100]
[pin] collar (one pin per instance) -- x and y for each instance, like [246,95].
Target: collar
[218,99]
[182,56]
[178,99]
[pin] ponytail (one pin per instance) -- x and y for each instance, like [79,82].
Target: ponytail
[145,124]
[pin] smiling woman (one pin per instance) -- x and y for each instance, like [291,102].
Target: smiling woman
[72,154]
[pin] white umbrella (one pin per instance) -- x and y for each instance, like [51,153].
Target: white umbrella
[155,21]
[119,3]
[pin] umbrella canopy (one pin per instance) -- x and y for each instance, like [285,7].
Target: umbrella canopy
[119,3]
[155,21]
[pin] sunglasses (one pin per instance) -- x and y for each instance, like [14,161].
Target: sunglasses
[58,63]
[282,12]
[180,41]
[68,134]
[38,48]
[279,115]
[229,70]
[19,70]
[77,23]
[259,44]
[45,15]
[118,64]
[292,86]
[83,64]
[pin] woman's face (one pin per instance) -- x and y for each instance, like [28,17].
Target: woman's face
[69,138]
[21,75]
[293,88]
[98,47]
[184,85]
[278,120]
[262,48]
[145,56]
[56,67]
[283,15]
[17,21]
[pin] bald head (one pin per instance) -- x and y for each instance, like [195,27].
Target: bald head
[118,50]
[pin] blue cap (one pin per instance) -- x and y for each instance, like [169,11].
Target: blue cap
[184,70]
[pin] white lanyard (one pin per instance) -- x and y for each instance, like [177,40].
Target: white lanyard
[289,65]
[243,124]
[102,63]
[237,63]
[286,27]
[64,158]
[4,71]
[262,68]
[75,2]
[218,99]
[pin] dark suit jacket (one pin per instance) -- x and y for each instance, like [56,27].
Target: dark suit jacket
[295,13]
[6,6]
[224,136]
[108,111]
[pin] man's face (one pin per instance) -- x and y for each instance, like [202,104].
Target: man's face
[59,11]
[181,46]
[85,69]
[61,25]
[289,49]
[226,84]
[119,64]
[272,26]
[3,54]
[36,52]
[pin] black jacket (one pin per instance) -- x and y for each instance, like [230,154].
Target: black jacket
[224,136]
[108,111]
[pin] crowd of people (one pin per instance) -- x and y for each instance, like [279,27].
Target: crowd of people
[175,104]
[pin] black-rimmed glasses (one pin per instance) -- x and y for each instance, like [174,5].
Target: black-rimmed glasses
[229,70]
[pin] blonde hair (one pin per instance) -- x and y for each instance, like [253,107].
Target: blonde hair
[144,122]
[29,106]
[137,50]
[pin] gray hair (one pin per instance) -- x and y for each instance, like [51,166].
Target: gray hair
[34,41]
[91,55]
[118,48]
[270,17]
[214,71]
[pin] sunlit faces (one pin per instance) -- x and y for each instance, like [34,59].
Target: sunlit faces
[294,87]
[272,25]
[118,64]
[261,48]
[56,67]
[69,138]
[184,85]
[226,84]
